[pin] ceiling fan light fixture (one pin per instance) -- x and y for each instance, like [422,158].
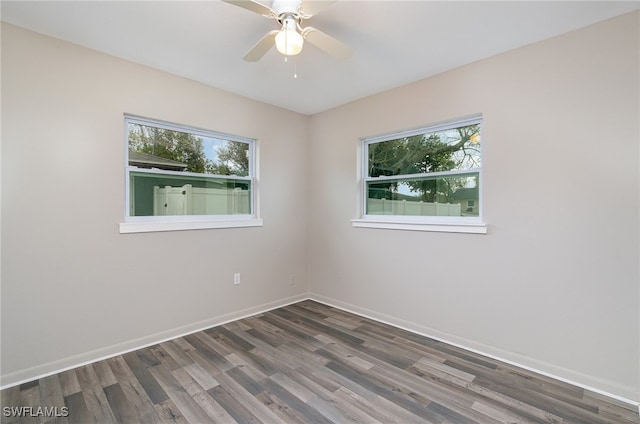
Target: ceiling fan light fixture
[289,41]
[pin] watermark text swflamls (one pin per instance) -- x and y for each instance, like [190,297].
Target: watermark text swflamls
[40,411]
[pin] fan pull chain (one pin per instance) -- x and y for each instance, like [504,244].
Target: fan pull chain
[295,66]
[286,38]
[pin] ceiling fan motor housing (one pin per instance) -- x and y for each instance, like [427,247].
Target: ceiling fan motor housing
[286,7]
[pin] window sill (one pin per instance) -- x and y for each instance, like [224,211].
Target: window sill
[448,227]
[148,227]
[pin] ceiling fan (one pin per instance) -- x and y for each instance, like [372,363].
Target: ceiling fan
[289,40]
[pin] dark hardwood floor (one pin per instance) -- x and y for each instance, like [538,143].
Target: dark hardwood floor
[306,363]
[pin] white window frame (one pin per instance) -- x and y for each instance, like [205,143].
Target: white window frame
[474,225]
[141,224]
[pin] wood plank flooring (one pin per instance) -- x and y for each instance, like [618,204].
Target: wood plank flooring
[306,363]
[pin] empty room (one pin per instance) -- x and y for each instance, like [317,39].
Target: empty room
[298,211]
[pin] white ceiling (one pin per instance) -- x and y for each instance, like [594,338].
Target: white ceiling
[394,42]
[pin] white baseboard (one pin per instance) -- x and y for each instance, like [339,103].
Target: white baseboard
[44,370]
[549,370]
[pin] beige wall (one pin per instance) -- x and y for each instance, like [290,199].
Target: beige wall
[73,288]
[552,286]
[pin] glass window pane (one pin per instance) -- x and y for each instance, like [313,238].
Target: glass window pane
[160,148]
[160,195]
[456,195]
[446,150]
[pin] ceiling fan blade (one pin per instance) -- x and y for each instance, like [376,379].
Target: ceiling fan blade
[327,43]
[313,7]
[261,47]
[253,6]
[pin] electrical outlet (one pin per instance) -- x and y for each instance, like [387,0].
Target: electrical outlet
[236,278]
[292,280]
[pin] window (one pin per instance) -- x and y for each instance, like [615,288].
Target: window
[425,179]
[185,178]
